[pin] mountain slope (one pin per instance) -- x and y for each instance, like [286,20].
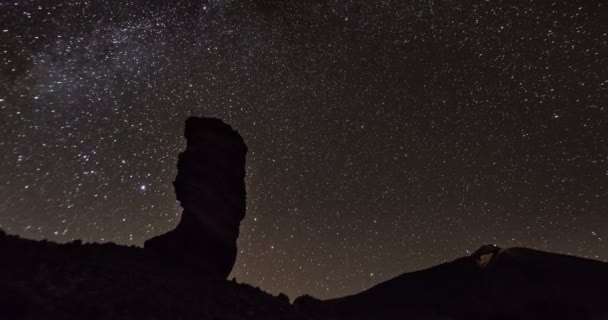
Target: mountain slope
[493,283]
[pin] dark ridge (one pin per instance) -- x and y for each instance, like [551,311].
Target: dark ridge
[492,283]
[46,280]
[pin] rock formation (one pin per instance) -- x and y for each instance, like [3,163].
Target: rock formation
[211,189]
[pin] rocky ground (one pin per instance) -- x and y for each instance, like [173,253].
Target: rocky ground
[45,280]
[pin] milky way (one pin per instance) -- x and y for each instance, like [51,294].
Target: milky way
[384,136]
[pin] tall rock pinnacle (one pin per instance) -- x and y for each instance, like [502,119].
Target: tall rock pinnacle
[210,187]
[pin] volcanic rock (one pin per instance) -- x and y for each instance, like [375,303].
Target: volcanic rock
[210,187]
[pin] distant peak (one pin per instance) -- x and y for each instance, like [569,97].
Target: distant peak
[486,253]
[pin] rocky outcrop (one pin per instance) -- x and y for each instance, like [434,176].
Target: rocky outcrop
[211,189]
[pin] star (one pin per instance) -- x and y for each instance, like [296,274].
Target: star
[383,137]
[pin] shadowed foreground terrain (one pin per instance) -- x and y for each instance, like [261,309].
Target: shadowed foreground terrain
[182,273]
[45,280]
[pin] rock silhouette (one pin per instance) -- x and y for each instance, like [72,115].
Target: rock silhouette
[210,187]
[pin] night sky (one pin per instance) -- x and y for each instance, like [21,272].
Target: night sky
[384,136]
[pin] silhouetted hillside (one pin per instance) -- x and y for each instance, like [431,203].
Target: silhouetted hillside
[493,283]
[45,280]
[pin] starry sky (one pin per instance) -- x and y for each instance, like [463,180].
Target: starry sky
[384,136]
